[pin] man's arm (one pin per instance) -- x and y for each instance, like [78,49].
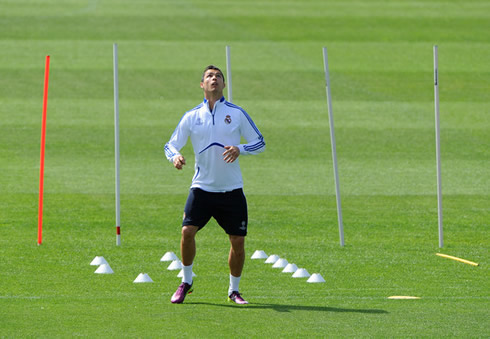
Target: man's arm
[255,141]
[177,141]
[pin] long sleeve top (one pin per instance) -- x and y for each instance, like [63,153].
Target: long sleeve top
[210,131]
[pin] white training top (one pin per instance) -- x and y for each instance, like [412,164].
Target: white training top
[210,132]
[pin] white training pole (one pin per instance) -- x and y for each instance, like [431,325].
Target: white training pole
[228,74]
[334,147]
[438,146]
[116,133]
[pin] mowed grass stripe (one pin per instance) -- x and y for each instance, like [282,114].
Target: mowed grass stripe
[379,132]
[263,85]
[266,56]
[383,222]
[165,113]
[254,8]
[250,28]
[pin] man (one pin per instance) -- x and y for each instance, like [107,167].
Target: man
[215,128]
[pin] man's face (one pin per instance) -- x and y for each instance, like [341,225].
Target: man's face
[213,81]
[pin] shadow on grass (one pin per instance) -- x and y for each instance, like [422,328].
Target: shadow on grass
[289,308]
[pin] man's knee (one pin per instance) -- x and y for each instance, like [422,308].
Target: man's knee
[189,232]
[237,243]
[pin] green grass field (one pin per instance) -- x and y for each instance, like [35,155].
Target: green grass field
[381,70]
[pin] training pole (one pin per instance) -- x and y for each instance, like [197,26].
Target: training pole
[457,259]
[228,74]
[116,152]
[43,143]
[334,147]
[438,146]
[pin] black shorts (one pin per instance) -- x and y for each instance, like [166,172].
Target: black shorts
[228,208]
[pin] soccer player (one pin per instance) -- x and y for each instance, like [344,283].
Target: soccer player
[215,128]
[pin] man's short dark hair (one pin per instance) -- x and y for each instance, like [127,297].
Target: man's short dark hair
[212,67]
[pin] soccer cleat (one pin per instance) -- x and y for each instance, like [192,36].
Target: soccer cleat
[236,298]
[181,292]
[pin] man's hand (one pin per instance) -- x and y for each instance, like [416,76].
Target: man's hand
[231,154]
[179,161]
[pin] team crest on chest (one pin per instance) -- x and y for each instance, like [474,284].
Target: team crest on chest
[228,119]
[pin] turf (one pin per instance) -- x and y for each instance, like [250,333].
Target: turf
[380,56]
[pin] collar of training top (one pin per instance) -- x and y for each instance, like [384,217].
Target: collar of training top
[220,100]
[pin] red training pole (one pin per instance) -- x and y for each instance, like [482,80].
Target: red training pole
[43,142]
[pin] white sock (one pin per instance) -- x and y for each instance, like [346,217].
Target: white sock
[234,282]
[187,277]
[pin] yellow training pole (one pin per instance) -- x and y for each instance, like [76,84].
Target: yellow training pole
[457,259]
